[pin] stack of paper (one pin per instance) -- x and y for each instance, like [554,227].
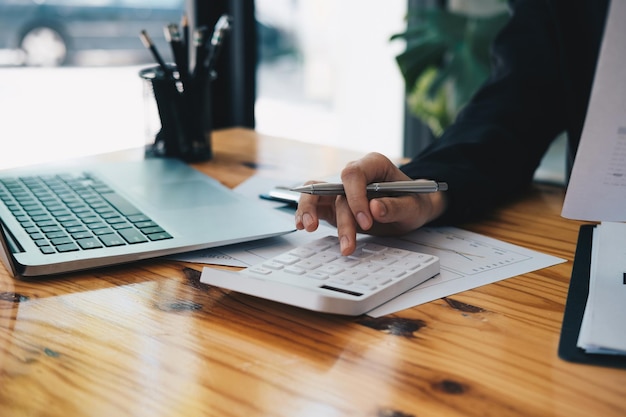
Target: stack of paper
[602,329]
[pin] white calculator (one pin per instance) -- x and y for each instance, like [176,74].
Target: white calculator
[317,277]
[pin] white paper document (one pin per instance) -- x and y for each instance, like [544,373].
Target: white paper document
[467,260]
[597,187]
[602,329]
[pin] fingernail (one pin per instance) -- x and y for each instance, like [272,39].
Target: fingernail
[383,210]
[307,220]
[363,220]
[343,243]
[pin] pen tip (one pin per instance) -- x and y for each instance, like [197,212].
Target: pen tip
[299,189]
[145,38]
[199,35]
[224,22]
[171,33]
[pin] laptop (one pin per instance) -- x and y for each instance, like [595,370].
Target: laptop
[59,220]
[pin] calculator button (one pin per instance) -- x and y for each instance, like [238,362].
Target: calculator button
[373,248]
[398,253]
[360,254]
[273,265]
[286,259]
[381,279]
[383,259]
[393,272]
[353,274]
[260,270]
[408,264]
[346,262]
[369,267]
[342,280]
[425,258]
[317,275]
[326,256]
[294,270]
[331,269]
[302,252]
[308,264]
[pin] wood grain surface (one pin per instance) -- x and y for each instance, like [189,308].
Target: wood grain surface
[148,339]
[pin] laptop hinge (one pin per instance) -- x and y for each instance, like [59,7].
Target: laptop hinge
[9,246]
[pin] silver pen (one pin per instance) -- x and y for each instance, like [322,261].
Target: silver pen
[392,187]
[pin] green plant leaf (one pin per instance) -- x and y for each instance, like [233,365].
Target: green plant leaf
[417,58]
[431,110]
[411,33]
[445,49]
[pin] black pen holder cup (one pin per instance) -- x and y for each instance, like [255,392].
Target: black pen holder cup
[178,116]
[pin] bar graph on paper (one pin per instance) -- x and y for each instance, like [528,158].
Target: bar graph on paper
[463,254]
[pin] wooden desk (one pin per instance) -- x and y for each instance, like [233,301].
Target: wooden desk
[149,339]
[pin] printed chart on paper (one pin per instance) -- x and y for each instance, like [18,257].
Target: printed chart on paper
[462,254]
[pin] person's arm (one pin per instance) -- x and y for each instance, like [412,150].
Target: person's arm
[493,148]
[487,156]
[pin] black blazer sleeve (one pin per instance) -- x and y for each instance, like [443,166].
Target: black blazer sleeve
[491,152]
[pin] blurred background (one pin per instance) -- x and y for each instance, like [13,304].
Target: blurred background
[326,73]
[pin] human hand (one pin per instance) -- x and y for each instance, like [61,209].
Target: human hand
[355,213]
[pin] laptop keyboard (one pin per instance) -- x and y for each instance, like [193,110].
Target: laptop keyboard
[65,213]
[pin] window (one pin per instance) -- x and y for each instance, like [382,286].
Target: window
[328,73]
[69,82]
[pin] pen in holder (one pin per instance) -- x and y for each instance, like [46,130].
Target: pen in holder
[182,94]
[184,123]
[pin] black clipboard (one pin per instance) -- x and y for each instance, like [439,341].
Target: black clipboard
[575,307]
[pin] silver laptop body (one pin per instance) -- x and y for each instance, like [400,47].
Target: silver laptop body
[187,209]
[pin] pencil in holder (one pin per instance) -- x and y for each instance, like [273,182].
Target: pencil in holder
[178,118]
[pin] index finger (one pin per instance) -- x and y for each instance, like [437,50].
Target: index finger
[355,182]
[373,167]
[312,208]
